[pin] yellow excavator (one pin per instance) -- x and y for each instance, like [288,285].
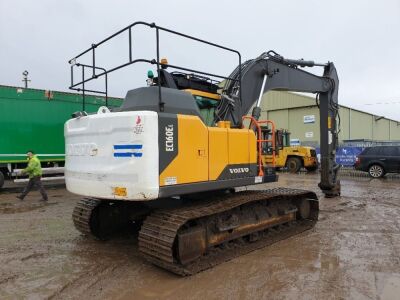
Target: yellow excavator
[169,159]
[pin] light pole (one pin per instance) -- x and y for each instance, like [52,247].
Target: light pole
[25,79]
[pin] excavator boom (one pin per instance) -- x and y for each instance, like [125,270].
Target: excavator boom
[271,71]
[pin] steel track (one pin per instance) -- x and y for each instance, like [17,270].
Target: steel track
[160,229]
[82,214]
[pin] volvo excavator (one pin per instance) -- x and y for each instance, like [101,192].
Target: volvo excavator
[169,160]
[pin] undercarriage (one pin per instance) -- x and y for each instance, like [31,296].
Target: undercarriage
[197,234]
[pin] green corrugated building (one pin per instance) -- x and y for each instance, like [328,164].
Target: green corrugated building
[300,115]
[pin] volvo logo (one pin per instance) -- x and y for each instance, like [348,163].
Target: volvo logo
[239,170]
[81,149]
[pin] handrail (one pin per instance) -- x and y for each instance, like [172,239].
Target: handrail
[130,61]
[260,140]
[83,84]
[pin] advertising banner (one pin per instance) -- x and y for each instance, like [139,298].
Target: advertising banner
[345,156]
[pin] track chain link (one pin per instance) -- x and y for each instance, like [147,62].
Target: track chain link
[160,229]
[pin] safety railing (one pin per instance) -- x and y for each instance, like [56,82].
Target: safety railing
[260,140]
[97,71]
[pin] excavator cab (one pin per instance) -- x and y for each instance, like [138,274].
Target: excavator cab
[203,89]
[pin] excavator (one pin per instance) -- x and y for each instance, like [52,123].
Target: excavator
[164,165]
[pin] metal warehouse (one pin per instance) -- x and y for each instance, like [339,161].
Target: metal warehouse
[300,115]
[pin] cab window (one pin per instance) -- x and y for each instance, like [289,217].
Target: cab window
[207,108]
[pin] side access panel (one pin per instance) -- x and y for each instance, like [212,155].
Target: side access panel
[206,158]
[183,144]
[218,151]
[242,153]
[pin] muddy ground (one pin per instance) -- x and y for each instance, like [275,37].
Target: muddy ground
[352,253]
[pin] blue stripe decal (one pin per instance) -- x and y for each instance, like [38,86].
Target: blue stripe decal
[128,154]
[116,147]
[123,154]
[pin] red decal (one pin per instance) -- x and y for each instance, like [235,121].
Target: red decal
[138,120]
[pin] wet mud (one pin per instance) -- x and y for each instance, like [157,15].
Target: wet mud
[352,253]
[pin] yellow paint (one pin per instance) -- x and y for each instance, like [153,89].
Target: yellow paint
[238,141]
[329,122]
[303,153]
[191,163]
[204,152]
[119,191]
[203,94]
[252,147]
[218,151]
[224,124]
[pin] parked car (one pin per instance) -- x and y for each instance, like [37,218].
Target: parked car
[379,160]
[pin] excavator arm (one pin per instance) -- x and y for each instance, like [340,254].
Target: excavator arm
[271,71]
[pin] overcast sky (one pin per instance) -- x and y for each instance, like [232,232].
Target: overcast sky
[362,38]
